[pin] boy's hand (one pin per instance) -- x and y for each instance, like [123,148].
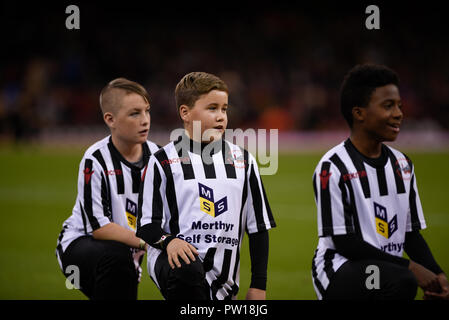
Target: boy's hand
[256,294]
[180,248]
[427,280]
[137,259]
[443,294]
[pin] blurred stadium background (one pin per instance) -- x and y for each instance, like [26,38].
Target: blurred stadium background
[283,63]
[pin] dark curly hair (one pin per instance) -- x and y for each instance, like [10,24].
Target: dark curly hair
[358,85]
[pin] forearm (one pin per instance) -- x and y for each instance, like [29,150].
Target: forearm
[418,250]
[154,235]
[113,231]
[355,248]
[258,248]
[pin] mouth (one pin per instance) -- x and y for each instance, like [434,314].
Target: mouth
[221,128]
[143,132]
[395,126]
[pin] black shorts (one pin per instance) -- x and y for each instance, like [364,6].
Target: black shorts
[185,283]
[355,281]
[106,268]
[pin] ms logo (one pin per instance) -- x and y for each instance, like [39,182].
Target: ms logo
[131,213]
[207,204]
[384,227]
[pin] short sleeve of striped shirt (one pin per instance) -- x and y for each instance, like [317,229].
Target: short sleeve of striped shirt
[415,215]
[92,189]
[151,207]
[259,216]
[332,201]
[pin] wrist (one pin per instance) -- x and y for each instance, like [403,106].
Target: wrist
[164,241]
[142,245]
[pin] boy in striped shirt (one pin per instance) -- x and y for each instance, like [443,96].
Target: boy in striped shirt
[200,195]
[99,237]
[368,206]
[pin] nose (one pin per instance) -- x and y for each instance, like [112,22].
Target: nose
[146,118]
[398,112]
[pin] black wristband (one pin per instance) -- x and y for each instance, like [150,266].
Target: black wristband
[166,241]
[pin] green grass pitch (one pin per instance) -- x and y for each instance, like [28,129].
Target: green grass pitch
[38,190]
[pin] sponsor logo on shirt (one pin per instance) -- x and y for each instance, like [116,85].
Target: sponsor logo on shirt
[324,178]
[383,226]
[236,159]
[174,160]
[131,213]
[403,170]
[87,175]
[116,172]
[354,175]
[207,204]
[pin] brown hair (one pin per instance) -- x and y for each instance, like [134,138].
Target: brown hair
[109,96]
[193,85]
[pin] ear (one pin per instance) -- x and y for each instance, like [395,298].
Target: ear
[109,119]
[184,113]
[358,114]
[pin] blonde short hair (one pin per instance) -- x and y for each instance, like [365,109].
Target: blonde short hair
[110,95]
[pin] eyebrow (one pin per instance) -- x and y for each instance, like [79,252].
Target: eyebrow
[391,100]
[138,109]
[216,105]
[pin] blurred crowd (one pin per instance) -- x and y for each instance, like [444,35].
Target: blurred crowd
[283,66]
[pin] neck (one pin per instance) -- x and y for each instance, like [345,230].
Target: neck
[131,152]
[367,146]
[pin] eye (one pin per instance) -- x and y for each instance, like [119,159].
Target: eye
[388,105]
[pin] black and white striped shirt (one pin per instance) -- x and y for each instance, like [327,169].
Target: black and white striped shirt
[375,198]
[108,190]
[209,205]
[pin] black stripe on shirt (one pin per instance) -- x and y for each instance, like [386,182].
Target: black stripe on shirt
[208,261]
[157,206]
[328,267]
[136,175]
[140,199]
[382,181]
[228,161]
[170,191]
[97,155]
[316,281]
[397,173]
[105,200]
[416,224]
[244,191]
[267,206]
[315,192]
[347,210]
[59,247]
[157,214]
[257,199]
[88,173]
[209,168]
[83,216]
[186,161]
[223,277]
[118,169]
[350,210]
[235,287]
[360,167]
[325,197]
